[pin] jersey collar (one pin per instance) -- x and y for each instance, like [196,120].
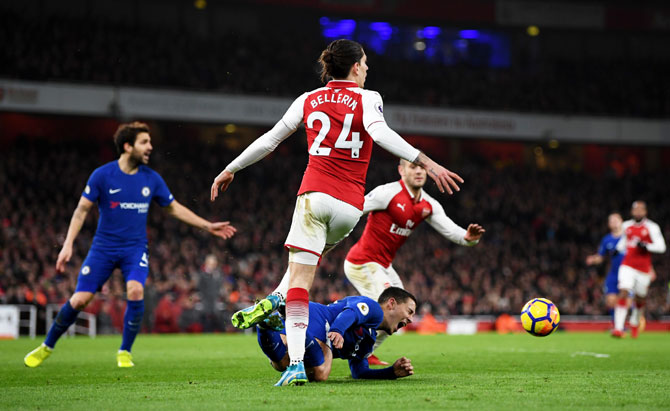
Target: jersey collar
[415,200]
[341,84]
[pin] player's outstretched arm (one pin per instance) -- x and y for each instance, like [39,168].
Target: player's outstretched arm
[446,180]
[221,183]
[260,148]
[360,369]
[220,229]
[77,221]
[594,259]
[450,230]
[474,233]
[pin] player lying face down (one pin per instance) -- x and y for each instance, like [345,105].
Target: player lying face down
[345,329]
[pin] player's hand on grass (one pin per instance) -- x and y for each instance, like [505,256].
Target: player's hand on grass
[222,229]
[336,339]
[63,257]
[402,367]
[474,232]
[221,182]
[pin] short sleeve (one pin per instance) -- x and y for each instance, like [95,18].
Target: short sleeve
[602,249]
[93,186]
[373,108]
[294,115]
[368,312]
[162,193]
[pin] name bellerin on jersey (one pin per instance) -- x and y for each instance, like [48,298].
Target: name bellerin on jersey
[330,98]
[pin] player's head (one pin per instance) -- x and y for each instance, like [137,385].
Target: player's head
[399,307]
[344,60]
[614,221]
[638,210]
[414,176]
[211,262]
[133,139]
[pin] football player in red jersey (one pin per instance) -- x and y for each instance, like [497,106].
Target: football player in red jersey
[640,238]
[341,120]
[396,209]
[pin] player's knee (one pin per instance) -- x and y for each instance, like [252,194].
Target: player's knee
[321,373]
[135,291]
[80,300]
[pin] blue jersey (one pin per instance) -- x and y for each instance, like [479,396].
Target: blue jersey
[356,319]
[608,248]
[123,201]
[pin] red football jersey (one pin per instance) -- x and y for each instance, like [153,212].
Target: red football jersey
[388,229]
[645,231]
[336,118]
[394,214]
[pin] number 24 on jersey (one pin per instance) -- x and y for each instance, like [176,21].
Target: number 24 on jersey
[355,144]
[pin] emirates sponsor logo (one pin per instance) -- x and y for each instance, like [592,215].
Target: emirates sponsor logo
[405,232]
[302,326]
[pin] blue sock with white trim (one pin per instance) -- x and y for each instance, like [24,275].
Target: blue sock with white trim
[132,321]
[65,318]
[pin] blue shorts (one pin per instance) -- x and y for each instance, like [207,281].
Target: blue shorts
[101,262]
[612,282]
[317,329]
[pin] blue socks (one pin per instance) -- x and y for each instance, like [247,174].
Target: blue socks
[271,344]
[132,321]
[65,318]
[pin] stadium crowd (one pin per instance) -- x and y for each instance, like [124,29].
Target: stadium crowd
[100,52]
[537,235]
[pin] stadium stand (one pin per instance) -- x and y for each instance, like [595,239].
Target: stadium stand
[536,241]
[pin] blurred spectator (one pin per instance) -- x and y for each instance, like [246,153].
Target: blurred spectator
[210,285]
[537,234]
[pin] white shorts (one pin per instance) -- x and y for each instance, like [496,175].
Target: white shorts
[635,280]
[371,279]
[320,221]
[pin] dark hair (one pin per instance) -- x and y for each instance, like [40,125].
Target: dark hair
[127,133]
[398,294]
[336,60]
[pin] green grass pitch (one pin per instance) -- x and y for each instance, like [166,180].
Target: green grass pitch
[484,371]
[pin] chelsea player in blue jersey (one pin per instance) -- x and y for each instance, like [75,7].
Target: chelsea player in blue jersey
[608,248]
[123,190]
[345,329]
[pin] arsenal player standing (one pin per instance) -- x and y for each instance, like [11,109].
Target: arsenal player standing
[341,120]
[640,238]
[396,209]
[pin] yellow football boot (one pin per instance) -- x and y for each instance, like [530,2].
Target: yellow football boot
[124,359]
[37,356]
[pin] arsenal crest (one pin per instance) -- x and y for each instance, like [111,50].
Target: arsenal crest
[425,212]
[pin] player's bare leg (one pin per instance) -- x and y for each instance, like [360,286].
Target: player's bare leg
[620,312]
[65,318]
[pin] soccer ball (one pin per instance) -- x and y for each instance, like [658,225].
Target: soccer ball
[540,317]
